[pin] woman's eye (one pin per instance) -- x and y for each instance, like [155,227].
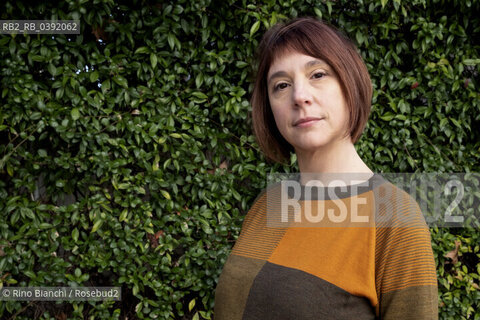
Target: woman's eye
[318,75]
[281,86]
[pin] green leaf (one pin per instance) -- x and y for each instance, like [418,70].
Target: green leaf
[153,60]
[4,41]
[37,58]
[199,95]
[59,93]
[52,69]
[94,76]
[36,116]
[142,50]
[27,212]
[456,123]
[171,40]
[359,37]
[166,194]
[9,168]
[162,140]
[199,80]
[121,81]
[75,114]
[123,215]
[96,225]
[254,28]
[329,6]
[42,153]
[241,64]
[471,62]
[191,305]
[387,116]
[105,86]
[123,186]
[75,234]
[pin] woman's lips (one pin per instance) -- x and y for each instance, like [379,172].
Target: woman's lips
[308,123]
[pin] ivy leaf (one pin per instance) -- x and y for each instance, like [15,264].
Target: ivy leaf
[123,215]
[142,50]
[94,76]
[199,95]
[96,225]
[191,305]
[166,194]
[75,113]
[254,28]
[52,69]
[171,40]
[121,81]
[153,60]
[387,116]
[75,234]
[471,62]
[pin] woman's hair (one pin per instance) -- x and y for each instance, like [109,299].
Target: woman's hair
[314,38]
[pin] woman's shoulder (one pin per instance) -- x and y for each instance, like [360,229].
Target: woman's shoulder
[395,207]
[272,192]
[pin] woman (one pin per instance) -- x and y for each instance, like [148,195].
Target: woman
[312,96]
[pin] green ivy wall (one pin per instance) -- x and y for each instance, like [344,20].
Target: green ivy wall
[127,156]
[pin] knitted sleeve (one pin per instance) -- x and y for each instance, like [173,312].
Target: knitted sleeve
[405,274]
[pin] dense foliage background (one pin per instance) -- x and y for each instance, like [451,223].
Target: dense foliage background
[127,156]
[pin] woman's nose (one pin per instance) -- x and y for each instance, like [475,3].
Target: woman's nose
[302,95]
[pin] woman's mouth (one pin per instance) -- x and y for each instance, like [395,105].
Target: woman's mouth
[307,122]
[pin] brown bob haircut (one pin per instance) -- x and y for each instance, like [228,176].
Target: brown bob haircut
[314,38]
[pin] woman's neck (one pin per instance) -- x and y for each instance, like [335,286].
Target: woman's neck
[338,157]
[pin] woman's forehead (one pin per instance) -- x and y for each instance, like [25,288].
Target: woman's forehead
[285,52]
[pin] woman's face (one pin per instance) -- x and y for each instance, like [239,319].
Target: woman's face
[306,101]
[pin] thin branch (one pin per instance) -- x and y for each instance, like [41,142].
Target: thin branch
[21,310]
[410,156]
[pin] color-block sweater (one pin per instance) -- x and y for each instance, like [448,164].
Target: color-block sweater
[381,269]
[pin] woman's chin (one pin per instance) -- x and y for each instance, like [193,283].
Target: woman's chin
[311,146]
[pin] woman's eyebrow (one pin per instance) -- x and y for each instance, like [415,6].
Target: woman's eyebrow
[309,64]
[315,63]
